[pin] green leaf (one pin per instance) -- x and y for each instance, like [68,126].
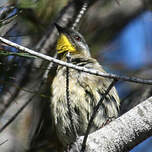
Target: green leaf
[21,54]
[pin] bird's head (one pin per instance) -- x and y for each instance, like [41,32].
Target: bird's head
[71,41]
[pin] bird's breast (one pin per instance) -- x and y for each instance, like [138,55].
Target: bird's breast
[85,91]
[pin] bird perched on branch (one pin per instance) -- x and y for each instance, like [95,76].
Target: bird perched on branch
[85,90]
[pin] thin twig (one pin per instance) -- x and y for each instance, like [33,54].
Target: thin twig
[5,11]
[68,97]
[3,142]
[15,115]
[81,13]
[95,113]
[7,100]
[122,134]
[90,71]
[7,15]
[23,89]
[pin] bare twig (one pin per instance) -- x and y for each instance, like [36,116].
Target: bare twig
[3,142]
[7,98]
[94,115]
[7,15]
[15,115]
[122,134]
[5,11]
[90,71]
[68,97]
[80,14]
[23,89]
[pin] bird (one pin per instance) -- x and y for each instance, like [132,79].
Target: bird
[85,90]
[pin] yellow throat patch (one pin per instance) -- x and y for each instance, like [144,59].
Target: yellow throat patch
[63,45]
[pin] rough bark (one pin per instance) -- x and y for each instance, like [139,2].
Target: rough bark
[122,134]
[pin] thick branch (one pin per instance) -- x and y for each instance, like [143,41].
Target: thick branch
[123,133]
[111,18]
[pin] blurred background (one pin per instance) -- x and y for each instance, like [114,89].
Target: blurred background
[119,35]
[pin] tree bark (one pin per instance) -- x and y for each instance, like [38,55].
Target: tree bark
[122,134]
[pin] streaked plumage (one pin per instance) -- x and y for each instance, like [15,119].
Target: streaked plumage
[85,92]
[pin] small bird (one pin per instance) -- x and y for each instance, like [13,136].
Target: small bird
[85,90]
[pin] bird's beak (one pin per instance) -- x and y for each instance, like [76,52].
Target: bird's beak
[63,42]
[59,28]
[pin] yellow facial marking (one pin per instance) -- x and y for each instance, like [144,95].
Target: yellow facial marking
[63,45]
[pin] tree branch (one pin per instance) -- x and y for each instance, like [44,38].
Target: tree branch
[90,71]
[15,115]
[95,111]
[123,133]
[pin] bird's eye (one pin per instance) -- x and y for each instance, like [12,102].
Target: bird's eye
[77,38]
